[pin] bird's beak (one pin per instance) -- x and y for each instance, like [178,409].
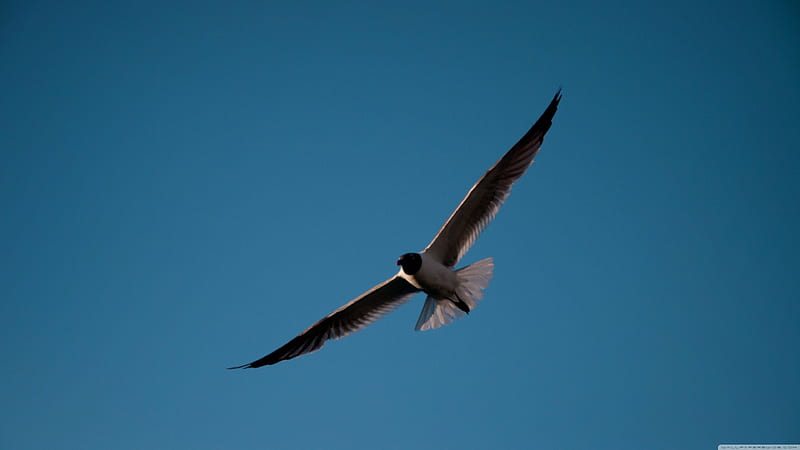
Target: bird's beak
[397,263]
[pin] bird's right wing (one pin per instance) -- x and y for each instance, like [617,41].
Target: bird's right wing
[350,318]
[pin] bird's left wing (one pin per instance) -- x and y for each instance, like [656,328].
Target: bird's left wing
[354,316]
[488,194]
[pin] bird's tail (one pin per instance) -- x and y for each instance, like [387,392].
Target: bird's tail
[473,279]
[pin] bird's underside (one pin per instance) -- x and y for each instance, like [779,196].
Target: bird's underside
[451,293]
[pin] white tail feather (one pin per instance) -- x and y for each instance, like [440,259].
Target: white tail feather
[473,279]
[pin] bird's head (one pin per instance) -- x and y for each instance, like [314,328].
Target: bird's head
[411,262]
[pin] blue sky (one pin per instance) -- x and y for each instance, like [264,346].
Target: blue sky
[186,186]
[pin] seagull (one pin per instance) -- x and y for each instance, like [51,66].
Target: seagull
[451,293]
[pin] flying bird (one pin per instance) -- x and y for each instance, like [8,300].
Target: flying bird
[452,293]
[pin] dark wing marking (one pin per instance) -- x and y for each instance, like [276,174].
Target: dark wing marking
[350,318]
[487,195]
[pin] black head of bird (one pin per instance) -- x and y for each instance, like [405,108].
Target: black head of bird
[411,263]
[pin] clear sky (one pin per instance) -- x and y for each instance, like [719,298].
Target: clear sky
[185,186]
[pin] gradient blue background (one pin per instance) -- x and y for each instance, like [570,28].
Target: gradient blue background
[186,186]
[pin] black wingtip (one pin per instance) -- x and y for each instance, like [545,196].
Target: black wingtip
[546,120]
[243,366]
[556,98]
[535,134]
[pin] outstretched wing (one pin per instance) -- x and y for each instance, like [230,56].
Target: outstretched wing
[487,195]
[360,312]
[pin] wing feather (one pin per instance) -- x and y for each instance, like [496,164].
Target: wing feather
[483,201]
[354,316]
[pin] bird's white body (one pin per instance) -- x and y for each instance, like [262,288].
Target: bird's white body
[447,289]
[433,278]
